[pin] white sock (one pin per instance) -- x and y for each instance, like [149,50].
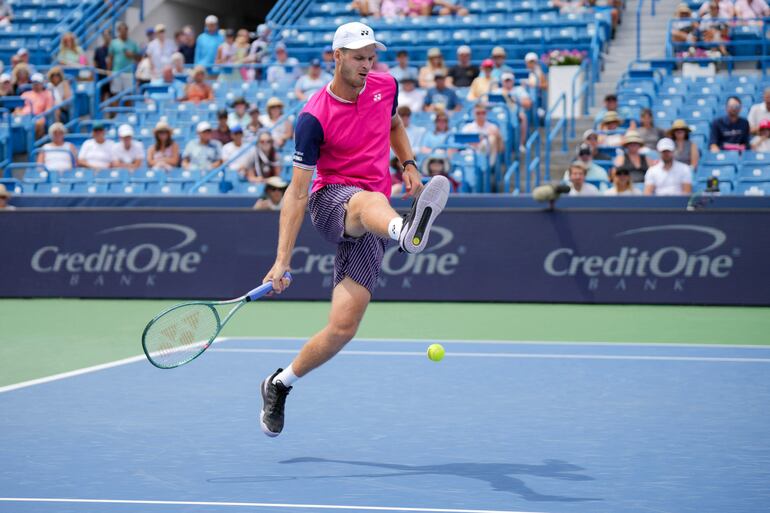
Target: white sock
[394,227]
[286,376]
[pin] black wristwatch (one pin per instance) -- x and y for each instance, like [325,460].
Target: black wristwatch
[410,161]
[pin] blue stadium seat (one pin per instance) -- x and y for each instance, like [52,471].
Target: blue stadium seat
[52,188]
[80,175]
[754,173]
[755,158]
[753,189]
[207,189]
[724,172]
[111,176]
[182,175]
[146,176]
[721,157]
[89,188]
[35,175]
[724,187]
[169,188]
[253,189]
[128,189]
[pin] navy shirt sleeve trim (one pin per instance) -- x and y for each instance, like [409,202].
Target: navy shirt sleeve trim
[308,138]
[395,99]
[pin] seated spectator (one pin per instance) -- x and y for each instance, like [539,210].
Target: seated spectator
[668,177]
[267,162]
[284,69]
[519,102]
[254,125]
[420,8]
[632,159]
[198,90]
[594,171]
[6,85]
[761,141]
[726,9]
[282,131]
[233,154]
[622,185]
[409,95]
[403,69]
[5,196]
[58,155]
[70,54]
[482,85]
[712,27]
[447,7]
[591,138]
[611,105]
[730,132]
[435,64]
[435,165]
[6,13]
[441,95]
[37,101]
[414,133]
[203,153]
[275,188]
[685,150]
[760,111]
[20,76]
[439,136]
[491,138]
[177,63]
[751,9]
[164,154]
[239,116]
[167,79]
[366,8]
[61,90]
[127,153]
[327,60]
[22,57]
[463,73]
[610,123]
[577,179]
[222,132]
[498,57]
[96,153]
[537,78]
[392,9]
[311,82]
[647,130]
[684,29]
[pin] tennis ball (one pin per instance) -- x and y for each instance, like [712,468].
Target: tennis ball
[436,352]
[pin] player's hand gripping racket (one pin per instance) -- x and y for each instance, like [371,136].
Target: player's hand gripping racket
[183,332]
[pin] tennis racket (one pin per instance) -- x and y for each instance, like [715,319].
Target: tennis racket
[182,333]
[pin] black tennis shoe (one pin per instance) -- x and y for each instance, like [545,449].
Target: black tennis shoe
[426,207]
[273,402]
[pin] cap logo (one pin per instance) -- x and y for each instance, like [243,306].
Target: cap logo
[364,32]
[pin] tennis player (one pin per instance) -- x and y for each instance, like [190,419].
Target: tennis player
[345,133]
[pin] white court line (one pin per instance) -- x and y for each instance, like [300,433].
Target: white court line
[542,356]
[257,505]
[577,343]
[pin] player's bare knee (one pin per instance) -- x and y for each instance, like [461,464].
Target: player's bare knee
[343,332]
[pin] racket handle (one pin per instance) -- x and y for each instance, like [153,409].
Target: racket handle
[264,289]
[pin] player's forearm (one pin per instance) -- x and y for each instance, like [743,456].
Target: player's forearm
[292,215]
[399,141]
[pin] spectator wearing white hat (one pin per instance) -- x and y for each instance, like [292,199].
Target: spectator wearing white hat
[127,153]
[96,153]
[284,69]
[668,177]
[203,153]
[208,42]
[58,155]
[498,57]
[403,69]
[463,73]
[537,78]
[160,51]
[36,101]
[6,85]
[275,188]
[22,57]
[427,72]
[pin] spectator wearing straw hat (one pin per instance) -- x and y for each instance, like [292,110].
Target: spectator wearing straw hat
[761,141]
[577,179]
[684,27]
[685,150]
[668,177]
[463,73]
[403,69]
[127,153]
[96,152]
[203,153]
[632,160]
[275,188]
[498,57]
[198,90]
[610,123]
[5,196]
[282,131]
[482,84]
[57,155]
[164,154]
[208,42]
[435,64]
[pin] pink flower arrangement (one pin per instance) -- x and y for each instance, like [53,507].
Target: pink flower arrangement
[564,57]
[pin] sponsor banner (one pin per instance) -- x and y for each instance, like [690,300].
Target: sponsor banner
[610,256]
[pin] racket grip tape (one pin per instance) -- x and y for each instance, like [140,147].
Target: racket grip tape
[263,289]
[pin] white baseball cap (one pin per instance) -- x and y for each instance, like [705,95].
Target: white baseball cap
[666,144]
[531,56]
[37,78]
[125,131]
[203,126]
[355,35]
[506,76]
[464,49]
[211,19]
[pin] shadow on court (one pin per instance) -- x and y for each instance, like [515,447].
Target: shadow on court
[498,475]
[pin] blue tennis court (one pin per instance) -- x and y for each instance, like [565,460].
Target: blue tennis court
[496,426]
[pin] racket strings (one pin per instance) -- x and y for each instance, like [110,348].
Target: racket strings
[181,334]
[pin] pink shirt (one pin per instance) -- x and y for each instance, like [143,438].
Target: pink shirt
[348,142]
[37,103]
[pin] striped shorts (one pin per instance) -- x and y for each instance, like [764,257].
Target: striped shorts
[358,258]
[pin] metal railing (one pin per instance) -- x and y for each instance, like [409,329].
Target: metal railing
[512,174]
[554,130]
[532,160]
[639,9]
[583,94]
